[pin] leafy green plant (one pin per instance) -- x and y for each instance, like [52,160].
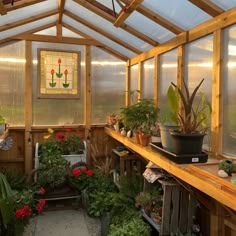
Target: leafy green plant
[196,110]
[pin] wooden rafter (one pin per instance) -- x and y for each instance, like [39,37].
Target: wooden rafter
[126,12]
[3,10]
[6,40]
[208,6]
[102,32]
[108,17]
[20,4]
[104,47]
[156,18]
[54,39]
[28,20]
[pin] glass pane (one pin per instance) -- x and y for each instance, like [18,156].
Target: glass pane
[50,31]
[12,83]
[134,75]
[148,79]
[199,60]
[226,5]
[107,85]
[229,106]
[58,111]
[168,74]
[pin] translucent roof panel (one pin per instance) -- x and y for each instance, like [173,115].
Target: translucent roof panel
[100,38]
[103,24]
[225,4]
[27,12]
[68,33]
[148,27]
[27,27]
[50,31]
[180,12]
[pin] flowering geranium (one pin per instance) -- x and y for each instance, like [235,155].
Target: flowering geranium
[69,142]
[80,178]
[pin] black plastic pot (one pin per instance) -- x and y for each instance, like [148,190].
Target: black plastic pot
[187,143]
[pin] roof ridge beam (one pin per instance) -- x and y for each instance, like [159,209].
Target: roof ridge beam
[102,32]
[20,4]
[111,18]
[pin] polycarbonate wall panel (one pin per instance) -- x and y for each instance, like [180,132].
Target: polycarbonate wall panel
[148,78]
[99,37]
[182,13]
[50,31]
[199,61]
[229,95]
[134,75]
[148,27]
[107,85]
[12,83]
[168,73]
[58,111]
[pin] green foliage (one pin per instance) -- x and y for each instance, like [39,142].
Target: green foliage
[196,110]
[6,199]
[73,144]
[134,226]
[169,111]
[16,180]
[100,202]
[2,120]
[51,147]
[142,114]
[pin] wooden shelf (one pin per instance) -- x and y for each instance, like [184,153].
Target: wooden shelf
[184,172]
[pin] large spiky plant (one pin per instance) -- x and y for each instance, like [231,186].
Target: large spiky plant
[196,110]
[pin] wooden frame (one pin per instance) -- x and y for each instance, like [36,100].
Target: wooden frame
[58,74]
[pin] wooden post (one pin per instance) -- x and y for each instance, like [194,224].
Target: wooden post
[127,86]
[140,80]
[28,107]
[217,86]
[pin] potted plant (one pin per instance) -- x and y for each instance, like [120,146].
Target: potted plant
[169,117]
[140,117]
[188,138]
[2,125]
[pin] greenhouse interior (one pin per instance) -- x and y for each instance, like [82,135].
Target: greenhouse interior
[167,69]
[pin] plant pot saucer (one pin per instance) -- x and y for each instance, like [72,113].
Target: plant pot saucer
[178,158]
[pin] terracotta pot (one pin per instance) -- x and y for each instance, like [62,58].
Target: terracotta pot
[136,136]
[144,139]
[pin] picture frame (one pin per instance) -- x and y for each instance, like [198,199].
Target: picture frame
[58,74]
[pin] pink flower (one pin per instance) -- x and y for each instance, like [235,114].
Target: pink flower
[76,172]
[68,130]
[60,136]
[83,169]
[42,190]
[89,173]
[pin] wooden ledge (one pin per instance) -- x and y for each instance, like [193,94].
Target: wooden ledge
[184,172]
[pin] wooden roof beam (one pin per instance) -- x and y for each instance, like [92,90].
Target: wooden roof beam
[126,12]
[54,39]
[157,18]
[3,10]
[9,39]
[61,6]
[102,32]
[208,6]
[108,17]
[28,20]
[20,4]
[103,47]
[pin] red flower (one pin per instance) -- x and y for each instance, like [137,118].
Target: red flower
[89,173]
[52,71]
[42,190]
[66,72]
[62,142]
[68,130]
[19,213]
[60,136]
[76,172]
[124,9]
[83,169]
[59,61]
[39,208]
[42,202]
[27,210]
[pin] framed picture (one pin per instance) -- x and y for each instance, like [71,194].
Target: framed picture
[58,74]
